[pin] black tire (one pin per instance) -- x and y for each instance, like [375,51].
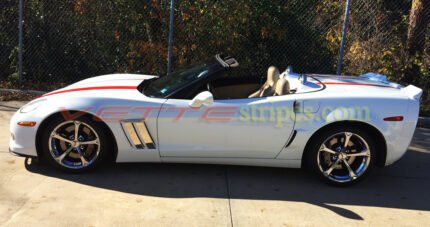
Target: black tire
[320,161]
[94,154]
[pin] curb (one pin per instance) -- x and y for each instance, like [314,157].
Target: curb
[423,122]
[23,91]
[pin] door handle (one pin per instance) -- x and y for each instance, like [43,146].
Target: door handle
[298,106]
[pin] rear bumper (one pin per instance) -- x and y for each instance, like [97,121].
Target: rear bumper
[399,137]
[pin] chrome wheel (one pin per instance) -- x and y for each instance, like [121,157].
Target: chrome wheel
[344,157]
[74,144]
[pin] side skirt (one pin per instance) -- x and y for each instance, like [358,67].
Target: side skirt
[237,161]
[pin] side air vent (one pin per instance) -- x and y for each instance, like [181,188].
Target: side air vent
[137,134]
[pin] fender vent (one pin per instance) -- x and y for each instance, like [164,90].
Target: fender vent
[137,134]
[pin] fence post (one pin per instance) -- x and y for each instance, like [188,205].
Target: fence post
[20,39]
[171,29]
[344,33]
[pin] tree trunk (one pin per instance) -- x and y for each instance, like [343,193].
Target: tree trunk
[418,21]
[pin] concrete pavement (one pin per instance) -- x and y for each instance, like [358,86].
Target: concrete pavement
[209,195]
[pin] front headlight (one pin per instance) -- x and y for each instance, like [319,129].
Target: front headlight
[31,106]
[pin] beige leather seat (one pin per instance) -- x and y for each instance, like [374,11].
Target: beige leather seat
[268,88]
[282,87]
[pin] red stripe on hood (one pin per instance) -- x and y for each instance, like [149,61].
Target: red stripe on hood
[91,88]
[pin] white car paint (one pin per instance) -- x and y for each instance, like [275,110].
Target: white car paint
[235,141]
[224,137]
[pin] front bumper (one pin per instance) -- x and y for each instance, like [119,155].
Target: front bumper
[23,139]
[20,155]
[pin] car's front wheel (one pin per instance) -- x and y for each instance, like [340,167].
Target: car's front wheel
[342,156]
[74,145]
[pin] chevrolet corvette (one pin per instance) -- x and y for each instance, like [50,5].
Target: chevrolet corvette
[339,127]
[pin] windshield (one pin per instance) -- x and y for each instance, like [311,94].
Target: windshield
[167,85]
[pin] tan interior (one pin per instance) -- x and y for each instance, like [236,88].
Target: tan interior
[236,91]
[282,87]
[268,88]
[274,86]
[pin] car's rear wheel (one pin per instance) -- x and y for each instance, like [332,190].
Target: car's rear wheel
[75,145]
[342,156]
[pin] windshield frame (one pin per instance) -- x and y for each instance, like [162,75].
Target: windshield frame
[214,68]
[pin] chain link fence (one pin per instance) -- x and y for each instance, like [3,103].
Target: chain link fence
[8,39]
[66,41]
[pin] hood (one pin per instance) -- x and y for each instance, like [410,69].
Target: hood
[112,79]
[103,83]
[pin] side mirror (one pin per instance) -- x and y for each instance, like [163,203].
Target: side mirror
[203,98]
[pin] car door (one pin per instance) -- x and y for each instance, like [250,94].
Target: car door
[237,128]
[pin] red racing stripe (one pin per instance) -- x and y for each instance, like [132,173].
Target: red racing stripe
[91,88]
[353,84]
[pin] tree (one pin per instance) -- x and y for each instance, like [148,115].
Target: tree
[415,44]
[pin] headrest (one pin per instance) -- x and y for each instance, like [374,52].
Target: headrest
[272,75]
[282,87]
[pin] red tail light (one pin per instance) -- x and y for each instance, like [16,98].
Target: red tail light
[396,118]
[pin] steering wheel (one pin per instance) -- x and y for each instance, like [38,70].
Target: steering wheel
[211,89]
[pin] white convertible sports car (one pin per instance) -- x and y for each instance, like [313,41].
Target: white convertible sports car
[340,127]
